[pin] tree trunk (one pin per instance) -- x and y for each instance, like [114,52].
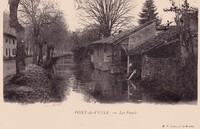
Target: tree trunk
[40,58]
[48,52]
[20,55]
[36,47]
[35,53]
[52,50]
[20,32]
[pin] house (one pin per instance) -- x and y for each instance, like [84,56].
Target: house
[9,38]
[163,55]
[110,54]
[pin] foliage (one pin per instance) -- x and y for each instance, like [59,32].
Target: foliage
[149,13]
[184,88]
[84,37]
[56,32]
[90,34]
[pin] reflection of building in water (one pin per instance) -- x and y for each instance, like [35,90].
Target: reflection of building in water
[108,87]
[95,85]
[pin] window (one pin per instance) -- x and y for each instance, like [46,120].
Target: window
[6,51]
[6,40]
[107,57]
[9,52]
[92,58]
[13,51]
[13,42]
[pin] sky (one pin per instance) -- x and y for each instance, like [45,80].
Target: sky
[69,9]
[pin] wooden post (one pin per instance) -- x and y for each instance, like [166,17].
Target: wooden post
[128,92]
[128,60]
[128,75]
[113,53]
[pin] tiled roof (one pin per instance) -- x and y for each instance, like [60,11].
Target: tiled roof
[124,34]
[160,39]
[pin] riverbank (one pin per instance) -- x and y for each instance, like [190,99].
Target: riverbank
[34,85]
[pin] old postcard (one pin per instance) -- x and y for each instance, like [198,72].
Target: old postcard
[93,64]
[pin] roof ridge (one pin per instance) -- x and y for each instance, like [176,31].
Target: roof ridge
[122,34]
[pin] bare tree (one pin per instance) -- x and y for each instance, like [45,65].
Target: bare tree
[55,35]
[20,56]
[183,20]
[108,15]
[37,13]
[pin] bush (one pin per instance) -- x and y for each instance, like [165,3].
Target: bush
[183,88]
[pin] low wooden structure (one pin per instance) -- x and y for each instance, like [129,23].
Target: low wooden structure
[111,54]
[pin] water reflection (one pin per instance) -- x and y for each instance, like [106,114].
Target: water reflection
[96,86]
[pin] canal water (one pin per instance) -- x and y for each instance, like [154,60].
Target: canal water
[94,86]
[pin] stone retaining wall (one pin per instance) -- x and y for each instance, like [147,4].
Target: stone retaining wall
[159,68]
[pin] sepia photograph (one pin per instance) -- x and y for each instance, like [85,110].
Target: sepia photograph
[100,53]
